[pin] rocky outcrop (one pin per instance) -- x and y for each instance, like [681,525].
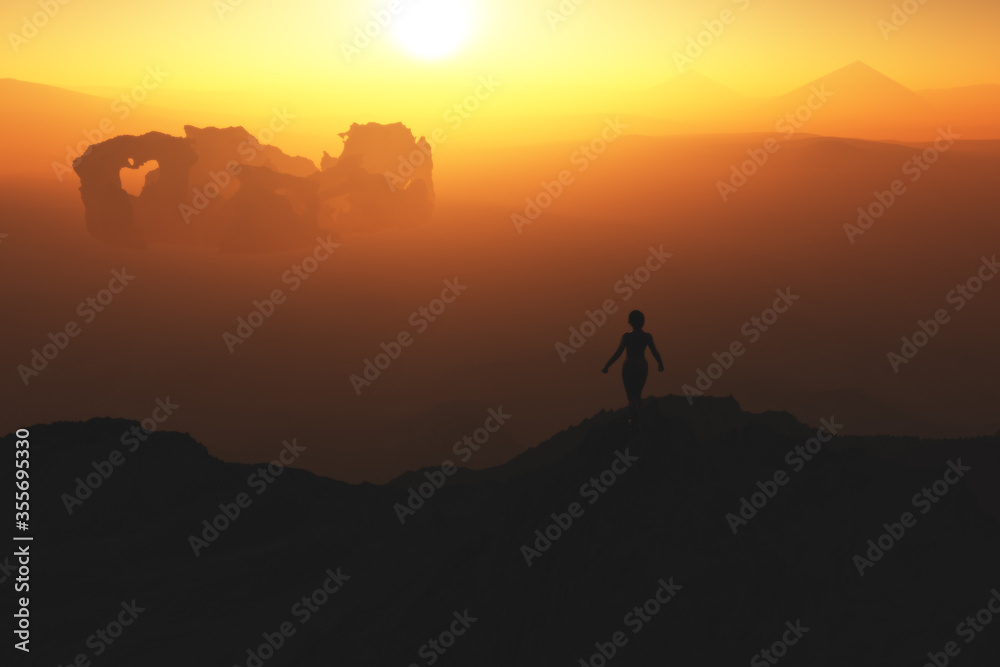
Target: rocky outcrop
[222,188]
[547,587]
[110,211]
[382,177]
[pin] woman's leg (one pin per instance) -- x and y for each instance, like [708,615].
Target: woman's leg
[640,382]
[634,378]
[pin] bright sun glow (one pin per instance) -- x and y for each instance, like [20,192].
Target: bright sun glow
[433,29]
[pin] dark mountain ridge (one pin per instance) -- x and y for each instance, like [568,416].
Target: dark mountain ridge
[621,519]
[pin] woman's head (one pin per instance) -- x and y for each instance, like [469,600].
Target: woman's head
[636,319]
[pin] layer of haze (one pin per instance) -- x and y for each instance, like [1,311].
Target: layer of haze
[657,184]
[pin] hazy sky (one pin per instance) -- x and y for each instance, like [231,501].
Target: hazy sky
[768,47]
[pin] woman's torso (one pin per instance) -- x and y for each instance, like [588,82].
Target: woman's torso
[636,343]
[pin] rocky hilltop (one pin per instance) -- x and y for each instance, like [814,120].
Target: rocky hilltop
[708,538]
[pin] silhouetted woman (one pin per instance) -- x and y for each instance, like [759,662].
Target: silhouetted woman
[635,369]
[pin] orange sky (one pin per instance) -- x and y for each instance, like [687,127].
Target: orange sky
[295,48]
[265,55]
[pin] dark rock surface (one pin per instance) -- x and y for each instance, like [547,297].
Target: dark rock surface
[661,518]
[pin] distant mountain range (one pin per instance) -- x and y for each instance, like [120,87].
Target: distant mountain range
[698,541]
[864,104]
[854,101]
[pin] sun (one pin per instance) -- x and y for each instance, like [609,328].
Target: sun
[433,29]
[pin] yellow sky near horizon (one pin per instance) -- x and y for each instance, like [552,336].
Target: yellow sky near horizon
[305,51]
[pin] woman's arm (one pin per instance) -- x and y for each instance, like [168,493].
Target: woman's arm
[656,353]
[614,357]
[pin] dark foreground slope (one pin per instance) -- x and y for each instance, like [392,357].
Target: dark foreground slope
[652,524]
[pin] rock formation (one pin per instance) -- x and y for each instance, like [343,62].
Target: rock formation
[221,188]
[110,211]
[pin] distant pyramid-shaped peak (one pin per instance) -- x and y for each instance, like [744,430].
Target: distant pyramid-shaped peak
[859,77]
